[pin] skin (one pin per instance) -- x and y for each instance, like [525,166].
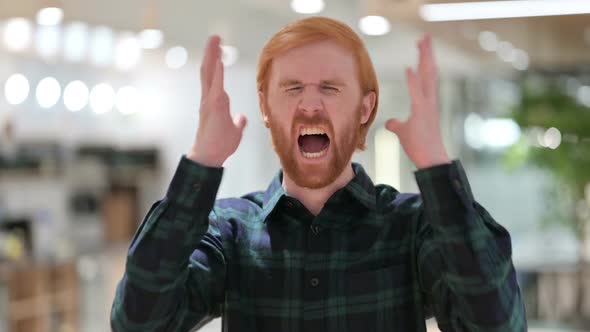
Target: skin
[420,134]
[318,80]
[300,91]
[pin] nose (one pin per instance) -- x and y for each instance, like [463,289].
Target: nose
[311,100]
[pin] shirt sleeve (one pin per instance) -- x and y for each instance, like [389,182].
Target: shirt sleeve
[464,257]
[175,268]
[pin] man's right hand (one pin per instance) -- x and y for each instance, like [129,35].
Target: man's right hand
[218,135]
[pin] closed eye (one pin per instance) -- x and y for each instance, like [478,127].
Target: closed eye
[294,89]
[330,88]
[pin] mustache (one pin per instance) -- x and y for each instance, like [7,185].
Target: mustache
[314,120]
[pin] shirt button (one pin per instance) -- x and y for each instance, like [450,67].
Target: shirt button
[457,184]
[196,186]
[314,229]
[314,282]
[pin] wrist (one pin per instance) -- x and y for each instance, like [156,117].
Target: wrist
[203,160]
[434,160]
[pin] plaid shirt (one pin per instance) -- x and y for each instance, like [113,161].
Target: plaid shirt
[373,260]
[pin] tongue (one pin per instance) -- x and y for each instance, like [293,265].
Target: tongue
[313,143]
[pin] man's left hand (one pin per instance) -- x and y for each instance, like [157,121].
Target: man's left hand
[420,134]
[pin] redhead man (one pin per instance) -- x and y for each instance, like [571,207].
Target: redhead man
[322,248]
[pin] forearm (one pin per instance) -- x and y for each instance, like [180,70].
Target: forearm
[465,257]
[152,292]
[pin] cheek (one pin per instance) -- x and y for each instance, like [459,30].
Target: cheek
[341,127]
[279,111]
[345,125]
[334,101]
[290,103]
[279,122]
[343,105]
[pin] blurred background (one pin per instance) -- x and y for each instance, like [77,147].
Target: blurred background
[99,99]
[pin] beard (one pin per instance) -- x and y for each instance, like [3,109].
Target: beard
[340,149]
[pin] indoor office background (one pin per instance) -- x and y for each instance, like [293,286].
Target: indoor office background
[99,99]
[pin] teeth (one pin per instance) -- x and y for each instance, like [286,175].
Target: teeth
[312,131]
[315,154]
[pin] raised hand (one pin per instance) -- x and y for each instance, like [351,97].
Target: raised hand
[219,134]
[420,134]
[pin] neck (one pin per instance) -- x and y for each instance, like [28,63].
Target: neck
[315,199]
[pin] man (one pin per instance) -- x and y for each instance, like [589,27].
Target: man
[322,249]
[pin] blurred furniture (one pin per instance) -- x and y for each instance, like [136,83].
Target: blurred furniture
[119,214]
[19,231]
[42,297]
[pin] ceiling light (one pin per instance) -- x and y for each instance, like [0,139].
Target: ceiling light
[50,16]
[151,38]
[75,41]
[521,60]
[47,40]
[17,34]
[488,41]
[502,9]
[127,52]
[229,55]
[16,89]
[505,51]
[48,92]
[374,25]
[101,46]
[75,96]
[176,57]
[102,98]
[307,6]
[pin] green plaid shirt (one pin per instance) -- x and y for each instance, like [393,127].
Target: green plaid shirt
[373,260]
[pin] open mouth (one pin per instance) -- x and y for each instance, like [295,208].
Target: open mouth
[313,142]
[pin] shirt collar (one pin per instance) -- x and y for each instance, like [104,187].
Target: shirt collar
[360,187]
[272,195]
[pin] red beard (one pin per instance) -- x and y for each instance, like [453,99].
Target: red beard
[340,150]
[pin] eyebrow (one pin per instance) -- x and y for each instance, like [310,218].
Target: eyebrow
[291,82]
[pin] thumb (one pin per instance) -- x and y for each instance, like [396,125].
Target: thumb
[394,125]
[240,121]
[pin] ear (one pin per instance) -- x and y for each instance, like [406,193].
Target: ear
[263,110]
[368,105]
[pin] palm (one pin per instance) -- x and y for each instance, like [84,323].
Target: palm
[217,128]
[219,134]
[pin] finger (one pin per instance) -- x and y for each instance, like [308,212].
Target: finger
[430,74]
[429,52]
[216,88]
[421,56]
[212,53]
[423,74]
[394,125]
[414,88]
[240,121]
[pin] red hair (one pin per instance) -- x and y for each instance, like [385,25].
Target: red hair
[312,29]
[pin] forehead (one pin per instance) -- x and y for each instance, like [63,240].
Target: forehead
[321,60]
